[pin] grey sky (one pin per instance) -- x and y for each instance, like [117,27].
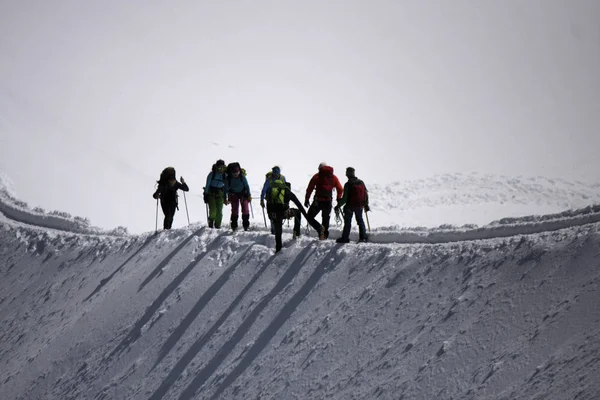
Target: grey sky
[398,89]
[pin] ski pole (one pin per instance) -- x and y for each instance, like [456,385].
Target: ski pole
[251,209]
[206,212]
[367,216]
[186,209]
[156,223]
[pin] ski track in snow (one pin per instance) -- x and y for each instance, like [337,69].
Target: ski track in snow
[503,311]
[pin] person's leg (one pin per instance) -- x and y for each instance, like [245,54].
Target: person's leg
[297,221]
[212,209]
[313,210]
[347,225]
[271,215]
[169,211]
[172,210]
[278,223]
[219,210]
[235,206]
[362,230]
[245,213]
[326,215]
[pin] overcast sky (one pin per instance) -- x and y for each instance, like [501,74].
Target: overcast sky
[397,89]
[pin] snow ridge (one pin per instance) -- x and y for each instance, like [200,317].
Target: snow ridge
[207,314]
[503,311]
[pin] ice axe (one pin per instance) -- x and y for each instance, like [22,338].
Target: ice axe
[264,218]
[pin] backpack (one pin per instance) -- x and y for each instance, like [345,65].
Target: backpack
[278,192]
[231,167]
[357,196]
[166,192]
[166,174]
[325,183]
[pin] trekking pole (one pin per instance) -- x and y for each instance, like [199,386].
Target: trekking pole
[367,216]
[265,218]
[186,209]
[206,204]
[156,224]
[251,209]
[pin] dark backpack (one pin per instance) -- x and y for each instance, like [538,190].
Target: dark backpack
[166,174]
[357,196]
[167,193]
[325,183]
[231,167]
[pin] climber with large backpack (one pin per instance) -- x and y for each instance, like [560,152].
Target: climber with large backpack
[239,195]
[278,194]
[216,193]
[354,201]
[166,191]
[270,177]
[323,183]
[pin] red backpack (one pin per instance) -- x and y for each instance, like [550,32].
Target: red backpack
[357,196]
[325,184]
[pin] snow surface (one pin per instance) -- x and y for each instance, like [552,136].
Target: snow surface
[506,310]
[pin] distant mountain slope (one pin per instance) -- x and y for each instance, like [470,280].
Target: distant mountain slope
[479,199]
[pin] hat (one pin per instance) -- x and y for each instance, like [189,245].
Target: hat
[220,163]
[349,171]
[276,170]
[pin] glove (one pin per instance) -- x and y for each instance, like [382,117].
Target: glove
[306,203]
[367,208]
[262,203]
[249,198]
[205,198]
[336,209]
[181,179]
[155,195]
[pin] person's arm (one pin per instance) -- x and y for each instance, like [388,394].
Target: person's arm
[263,193]
[339,189]
[311,186]
[246,186]
[182,185]
[208,179]
[225,185]
[344,198]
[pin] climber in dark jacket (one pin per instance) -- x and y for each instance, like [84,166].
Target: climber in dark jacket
[167,192]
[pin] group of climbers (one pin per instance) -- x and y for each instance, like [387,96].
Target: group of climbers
[227,184]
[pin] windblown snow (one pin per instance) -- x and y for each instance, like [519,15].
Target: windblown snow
[507,310]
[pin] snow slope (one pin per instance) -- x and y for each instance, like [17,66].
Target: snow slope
[502,311]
